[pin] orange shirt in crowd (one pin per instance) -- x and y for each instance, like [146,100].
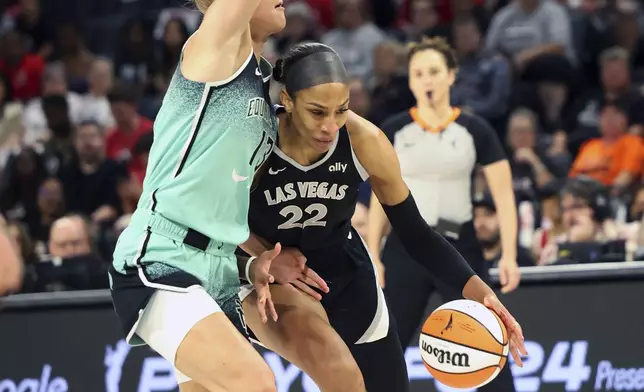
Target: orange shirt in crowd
[603,161]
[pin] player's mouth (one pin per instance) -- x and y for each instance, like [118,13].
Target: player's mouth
[326,143]
[279,5]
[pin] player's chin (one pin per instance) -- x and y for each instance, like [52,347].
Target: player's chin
[278,20]
[321,145]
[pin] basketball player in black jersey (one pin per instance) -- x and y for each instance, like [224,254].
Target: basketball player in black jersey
[305,199]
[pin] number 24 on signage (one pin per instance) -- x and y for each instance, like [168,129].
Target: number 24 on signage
[573,374]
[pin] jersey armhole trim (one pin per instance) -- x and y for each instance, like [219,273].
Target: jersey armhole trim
[361,170]
[220,82]
[234,75]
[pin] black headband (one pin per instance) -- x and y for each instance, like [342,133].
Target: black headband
[315,69]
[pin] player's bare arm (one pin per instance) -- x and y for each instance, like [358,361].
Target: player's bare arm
[222,43]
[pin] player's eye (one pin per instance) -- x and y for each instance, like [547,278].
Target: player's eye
[343,110]
[317,113]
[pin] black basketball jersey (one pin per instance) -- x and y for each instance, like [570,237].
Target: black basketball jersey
[307,207]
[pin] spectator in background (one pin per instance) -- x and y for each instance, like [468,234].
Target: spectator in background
[90,182]
[22,243]
[70,49]
[625,33]
[58,149]
[616,87]
[591,234]
[23,70]
[589,24]
[533,164]
[130,126]
[51,206]
[354,38]
[488,233]
[5,93]
[175,36]
[359,98]
[390,93]
[483,83]
[70,236]
[10,130]
[536,36]
[423,21]
[135,57]
[615,159]
[96,106]
[26,17]
[552,230]
[300,26]
[54,83]
[20,184]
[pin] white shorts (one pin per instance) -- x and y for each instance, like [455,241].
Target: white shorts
[169,316]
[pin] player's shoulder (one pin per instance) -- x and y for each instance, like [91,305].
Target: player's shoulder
[474,124]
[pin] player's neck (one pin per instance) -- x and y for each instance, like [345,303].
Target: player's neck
[435,113]
[291,143]
[258,44]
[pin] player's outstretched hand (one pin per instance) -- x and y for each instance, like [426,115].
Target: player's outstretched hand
[261,278]
[514,329]
[289,269]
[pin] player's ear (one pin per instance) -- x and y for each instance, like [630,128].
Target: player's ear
[286,100]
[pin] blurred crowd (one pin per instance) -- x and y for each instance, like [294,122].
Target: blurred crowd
[560,81]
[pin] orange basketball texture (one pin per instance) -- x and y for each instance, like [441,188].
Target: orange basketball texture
[451,325]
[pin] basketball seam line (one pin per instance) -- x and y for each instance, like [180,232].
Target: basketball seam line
[481,324]
[463,345]
[473,371]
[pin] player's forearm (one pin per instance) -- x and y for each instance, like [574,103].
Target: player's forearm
[426,246]
[376,226]
[255,245]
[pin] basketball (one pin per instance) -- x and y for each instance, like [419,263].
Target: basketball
[464,344]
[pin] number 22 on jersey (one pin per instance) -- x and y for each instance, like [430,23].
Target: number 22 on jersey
[295,219]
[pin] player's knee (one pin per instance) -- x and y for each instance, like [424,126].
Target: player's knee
[265,379]
[345,368]
[255,377]
[322,352]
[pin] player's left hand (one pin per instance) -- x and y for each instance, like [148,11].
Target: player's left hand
[515,333]
[261,279]
[289,269]
[509,274]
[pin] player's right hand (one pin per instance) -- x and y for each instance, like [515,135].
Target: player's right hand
[261,279]
[289,269]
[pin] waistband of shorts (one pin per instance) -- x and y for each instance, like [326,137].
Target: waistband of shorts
[161,225]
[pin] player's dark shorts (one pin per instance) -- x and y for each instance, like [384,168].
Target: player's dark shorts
[358,311]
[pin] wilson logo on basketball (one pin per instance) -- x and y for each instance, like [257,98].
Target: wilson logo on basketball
[446,357]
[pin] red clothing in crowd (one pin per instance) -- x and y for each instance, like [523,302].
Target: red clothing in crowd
[120,144]
[25,77]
